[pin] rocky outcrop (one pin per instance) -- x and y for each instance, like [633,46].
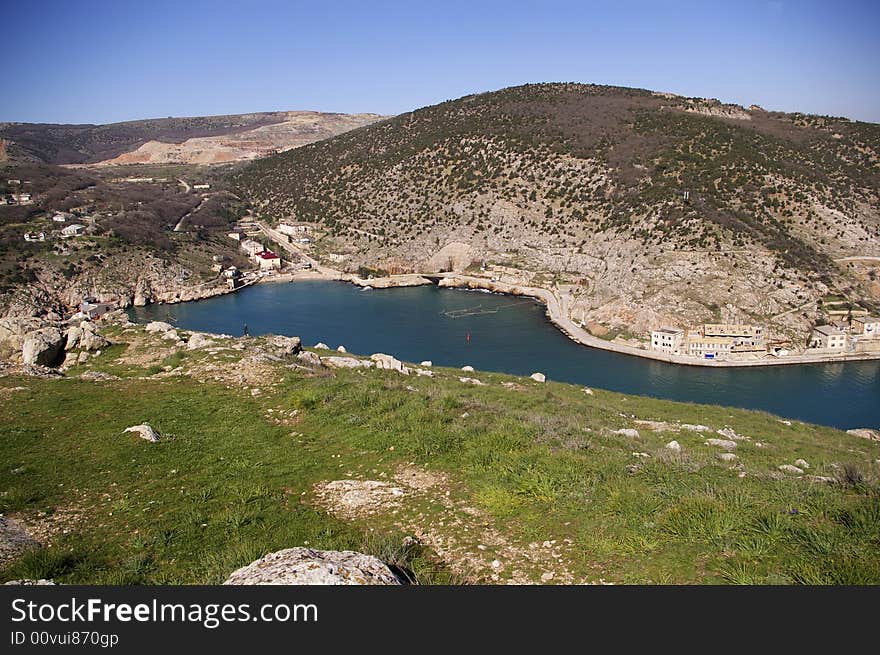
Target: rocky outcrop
[284,346]
[43,347]
[304,566]
[145,432]
[85,336]
[198,340]
[865,433]
[309,358]
[346,362]
[389,363]
[722,443]
[158,326]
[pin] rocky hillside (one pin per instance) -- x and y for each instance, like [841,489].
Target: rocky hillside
[642,208]
[194,140]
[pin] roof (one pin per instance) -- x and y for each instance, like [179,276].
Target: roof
[667,330]
[829,330]
[867,319]
[267,254]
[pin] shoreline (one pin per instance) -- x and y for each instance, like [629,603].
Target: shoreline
[554,309]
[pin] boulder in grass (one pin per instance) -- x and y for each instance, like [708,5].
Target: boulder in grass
[304,566]
[43,347]
[145,432]
[727,444]
[538,377]
[788,468]
[158,326]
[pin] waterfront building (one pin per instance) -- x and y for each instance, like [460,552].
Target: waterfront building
[867,327]
[828,337]
[667,340]
[268,261]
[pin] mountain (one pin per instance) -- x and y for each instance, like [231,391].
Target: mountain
[196,140]
[639,208]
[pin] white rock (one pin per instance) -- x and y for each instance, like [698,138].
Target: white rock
[341,349]
[695,428]
[865,433]
[145,432]
[673,445]
[199,341]
[43,347]
[425,373]
[389,363]
[730,433]
[321,346]
[346,362]
[158,326]
[722,443]
[788,468]
[427,362]
[471,381]
[538,377]
[726,457]
[468,369]
[801,463]
[627,432]
[304,566]
[588,391]
[309,358]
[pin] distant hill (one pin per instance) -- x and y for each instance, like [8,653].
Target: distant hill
[195,140]
[640,207]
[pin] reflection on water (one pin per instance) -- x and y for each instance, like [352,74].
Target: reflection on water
[491,332]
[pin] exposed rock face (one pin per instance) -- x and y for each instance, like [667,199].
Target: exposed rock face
[145,432]
[389,363]
[14,539]
[309,358]
[13,330]
[304,566]
[43,347]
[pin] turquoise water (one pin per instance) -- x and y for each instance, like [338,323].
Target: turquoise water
[412,324]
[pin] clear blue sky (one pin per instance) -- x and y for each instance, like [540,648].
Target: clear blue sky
[101,61]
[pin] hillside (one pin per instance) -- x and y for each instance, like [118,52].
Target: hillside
[639,208]
[193,140]
[507,481]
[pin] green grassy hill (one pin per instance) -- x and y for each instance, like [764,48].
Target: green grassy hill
[511,480]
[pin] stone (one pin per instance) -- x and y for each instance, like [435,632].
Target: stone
[346,362]
[43,347]
[158,326]
[425,373]
[801,463]
[788,468]
[865,433]
[97,376]
[538,377]
[695,428]
[588,391]
[726,457]
[198,340]
[171,335]
[473,381]
[673,445]
[304,566]
[14,539]
[389,363]
[820,478]
[627,432]
[284,346]
[341,349]
[29,581]
[467,369]
[144,431]
[427,363]
[722,443]
[309,358]
[729,433]
[321,346]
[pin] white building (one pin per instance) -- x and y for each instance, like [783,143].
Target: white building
[699,345]
[268,260]
[667,340]
[293,229]
[828,337]
[867,327]
[201,186]
[252,247]
[72,230]
[31,236]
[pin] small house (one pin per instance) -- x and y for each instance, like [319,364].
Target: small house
[268,261]
[72,230]
[34,236]
[828,337]
[59,218]
[252,247]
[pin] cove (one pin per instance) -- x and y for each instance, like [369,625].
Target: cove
[513,335]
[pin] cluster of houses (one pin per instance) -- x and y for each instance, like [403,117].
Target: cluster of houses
[265,259]
[724,341]
[68,231]
[299,231]
[19,197]
[711,341]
